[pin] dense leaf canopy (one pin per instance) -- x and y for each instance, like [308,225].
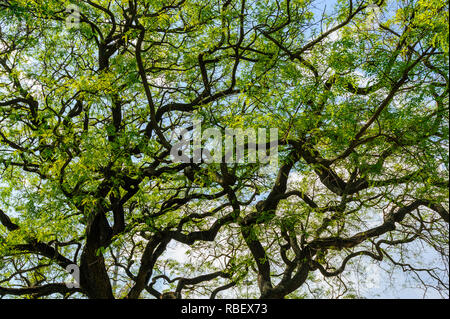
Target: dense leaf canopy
[90,99]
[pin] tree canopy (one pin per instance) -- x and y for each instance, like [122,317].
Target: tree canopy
[91,93]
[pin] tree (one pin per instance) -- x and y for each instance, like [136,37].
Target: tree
[90,98]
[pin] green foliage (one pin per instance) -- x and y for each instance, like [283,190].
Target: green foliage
[86,116]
